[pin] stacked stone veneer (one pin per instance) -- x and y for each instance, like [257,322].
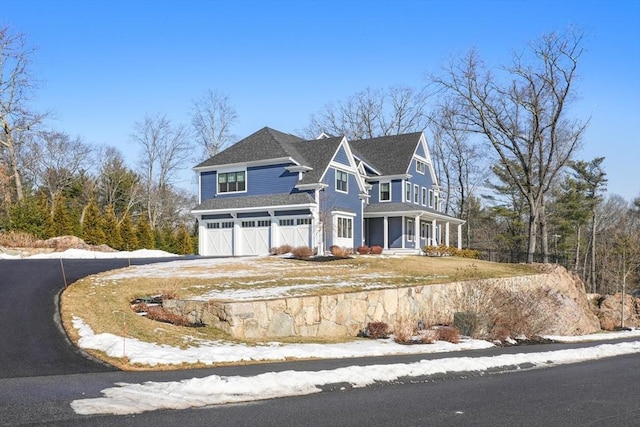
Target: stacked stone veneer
[345,314]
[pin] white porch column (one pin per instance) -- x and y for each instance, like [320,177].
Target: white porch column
[434,230]
[446,233]
[317,232]
[386,232]
[459,236]
[416,232]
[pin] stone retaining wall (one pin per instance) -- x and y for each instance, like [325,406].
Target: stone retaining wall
[345,314]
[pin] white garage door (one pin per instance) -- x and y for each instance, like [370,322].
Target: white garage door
[254,237]
[218,239]
[295,235]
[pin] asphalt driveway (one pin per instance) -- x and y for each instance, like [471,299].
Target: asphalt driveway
[32,341]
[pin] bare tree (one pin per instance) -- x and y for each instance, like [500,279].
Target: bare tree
[524,118]
[165,149]
[461,163]
[56,160]
[118,186]
[212,117]
[371,113]
[16,87]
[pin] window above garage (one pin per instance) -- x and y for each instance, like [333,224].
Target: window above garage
[232,182]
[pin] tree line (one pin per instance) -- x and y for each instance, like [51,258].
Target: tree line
[503,143]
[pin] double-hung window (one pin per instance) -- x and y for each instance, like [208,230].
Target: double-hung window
[410,230]
[416,194]
[407,196]
[342,181]
[385,191]
[420,166]
[345,228]
[424,196]
[230,182]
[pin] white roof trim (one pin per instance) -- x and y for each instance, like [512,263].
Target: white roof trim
[253,209]
[388,177]
[262,162]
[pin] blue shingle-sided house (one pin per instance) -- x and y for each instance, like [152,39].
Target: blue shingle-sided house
[272,188]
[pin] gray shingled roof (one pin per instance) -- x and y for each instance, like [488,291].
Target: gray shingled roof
[254,201]
[391,155]
[266,143]
[317,154]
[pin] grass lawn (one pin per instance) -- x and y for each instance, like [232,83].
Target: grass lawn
[103,300]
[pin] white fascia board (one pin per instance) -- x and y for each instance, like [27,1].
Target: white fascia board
[343,213]
[298,168]
[253,209]
[388,177]
[262,162]
[312,186]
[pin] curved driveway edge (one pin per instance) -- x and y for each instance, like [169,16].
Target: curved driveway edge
[31,336]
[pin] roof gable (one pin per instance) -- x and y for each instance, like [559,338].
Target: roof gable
[317,153]
[391,155]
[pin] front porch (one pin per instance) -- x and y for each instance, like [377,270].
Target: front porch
[410,231]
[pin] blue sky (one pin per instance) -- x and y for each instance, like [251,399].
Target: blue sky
[105,64]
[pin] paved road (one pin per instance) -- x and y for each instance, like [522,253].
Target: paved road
[41,373]
[598,393]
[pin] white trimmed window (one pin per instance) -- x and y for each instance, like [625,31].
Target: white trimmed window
[423,230]
[232,182]
[407,196]
[410,230]
[345,228]
[385,191]
[424,196]
[420,166]
[430,198]
[285,222]
[416,194]
[303,221]
[342,181]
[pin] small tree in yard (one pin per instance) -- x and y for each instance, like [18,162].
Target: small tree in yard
[60,221]
[92,225]
[144,233]
[111,228]
[183,239]
[129,239]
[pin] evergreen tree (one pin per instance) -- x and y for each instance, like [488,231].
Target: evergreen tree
[144,233]
[127,233]
[60,224]
[92,225]
[28,215]
[184,244]
[111,228]
[165,239]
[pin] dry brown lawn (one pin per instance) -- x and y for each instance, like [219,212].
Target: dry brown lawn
[103,300]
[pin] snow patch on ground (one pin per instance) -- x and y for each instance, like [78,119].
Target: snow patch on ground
[211,352]
[129,398]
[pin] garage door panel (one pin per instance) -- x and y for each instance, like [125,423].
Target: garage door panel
[254,241]
[219,242]
[295,235]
